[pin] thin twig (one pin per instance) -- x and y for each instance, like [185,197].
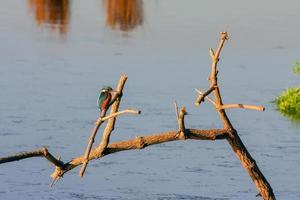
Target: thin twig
[88,149]
[41,152]
[207,97]
[244,106]
[127,111]
[202,96]
[90,144]
[176,110]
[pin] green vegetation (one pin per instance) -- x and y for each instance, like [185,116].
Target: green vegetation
[288,103]
[296,67]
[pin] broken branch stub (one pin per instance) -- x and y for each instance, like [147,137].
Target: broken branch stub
[181,126]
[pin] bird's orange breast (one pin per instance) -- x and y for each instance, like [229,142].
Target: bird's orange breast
[106,102]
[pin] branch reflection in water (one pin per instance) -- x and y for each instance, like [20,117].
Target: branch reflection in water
[124,15]
[54,13]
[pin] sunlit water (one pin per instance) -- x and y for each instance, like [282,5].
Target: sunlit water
[53,62]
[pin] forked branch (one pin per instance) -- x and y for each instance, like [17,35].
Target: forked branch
[109,127]
[233,138]
[201,95]
[204,95]
[105,148]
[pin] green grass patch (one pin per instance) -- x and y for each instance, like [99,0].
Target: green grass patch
[288,103]
[296,67]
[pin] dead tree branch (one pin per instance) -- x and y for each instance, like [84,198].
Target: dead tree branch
[204,95]
[99,121]
[105,148]
[233,138]
[109,127]
[244,106]
[89,145]
[137,143]
[41,152]
[127,111]
[181,127]
[201,95]
[176,110]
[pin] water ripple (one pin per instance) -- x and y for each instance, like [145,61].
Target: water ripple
[7,133]
[183,196]
[74,195]
[196,170]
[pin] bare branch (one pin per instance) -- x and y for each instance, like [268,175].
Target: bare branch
[92,137]
[244,106]
[202,96]
[41,152]
[176,110]
[214,83]
[224,37]
[90,144]
[233,139]
[213,134]
[109,126]
[181,126]
[111,122]
[104,148]
[212,53]
[127,111]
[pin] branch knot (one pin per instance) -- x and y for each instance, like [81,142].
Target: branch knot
[141,142]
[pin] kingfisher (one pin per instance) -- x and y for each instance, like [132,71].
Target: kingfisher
[104,99]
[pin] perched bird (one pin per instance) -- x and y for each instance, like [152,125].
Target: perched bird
[104,99]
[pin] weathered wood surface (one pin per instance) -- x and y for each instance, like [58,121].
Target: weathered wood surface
[105,148]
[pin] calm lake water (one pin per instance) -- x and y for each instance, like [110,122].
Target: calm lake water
[56,55]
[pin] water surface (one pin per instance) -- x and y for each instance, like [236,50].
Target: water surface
[55,55]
